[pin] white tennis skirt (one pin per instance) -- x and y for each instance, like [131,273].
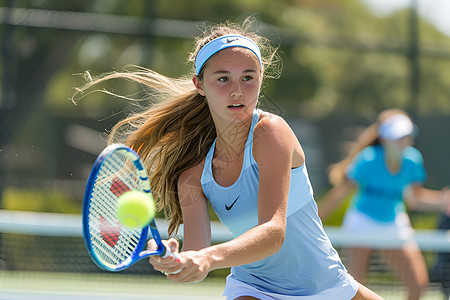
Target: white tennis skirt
[344,291]
[357,222]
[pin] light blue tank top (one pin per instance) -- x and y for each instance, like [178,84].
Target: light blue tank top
[307,263]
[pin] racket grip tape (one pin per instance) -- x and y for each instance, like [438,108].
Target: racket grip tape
[175,255]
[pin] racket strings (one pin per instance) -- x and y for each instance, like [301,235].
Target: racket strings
[111,242]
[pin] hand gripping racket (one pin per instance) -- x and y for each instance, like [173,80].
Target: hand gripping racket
[114,247]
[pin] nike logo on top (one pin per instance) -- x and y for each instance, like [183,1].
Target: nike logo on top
[232,204]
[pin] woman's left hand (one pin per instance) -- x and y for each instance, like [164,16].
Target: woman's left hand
[195,267]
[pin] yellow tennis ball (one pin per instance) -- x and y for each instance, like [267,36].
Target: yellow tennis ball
[135,209]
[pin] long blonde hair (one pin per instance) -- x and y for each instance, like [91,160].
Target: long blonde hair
[176,132]
[368,137]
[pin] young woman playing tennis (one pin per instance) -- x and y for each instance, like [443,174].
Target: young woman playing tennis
[384,168]
[208,143]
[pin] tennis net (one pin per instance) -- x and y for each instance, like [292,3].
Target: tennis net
[44,254]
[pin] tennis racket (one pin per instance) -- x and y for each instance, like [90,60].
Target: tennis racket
[114,247]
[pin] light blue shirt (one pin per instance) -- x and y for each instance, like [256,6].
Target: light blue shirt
[307,263]
[380,192]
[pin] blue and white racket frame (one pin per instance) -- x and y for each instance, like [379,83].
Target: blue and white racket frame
[138,252]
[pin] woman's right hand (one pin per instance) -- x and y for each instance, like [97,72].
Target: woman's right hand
[188,266]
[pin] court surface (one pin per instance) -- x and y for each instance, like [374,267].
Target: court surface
[18,285]
[66,286]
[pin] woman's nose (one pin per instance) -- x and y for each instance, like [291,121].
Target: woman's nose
[236,90]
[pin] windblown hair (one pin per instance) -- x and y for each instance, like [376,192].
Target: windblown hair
[176,132]
[368,137]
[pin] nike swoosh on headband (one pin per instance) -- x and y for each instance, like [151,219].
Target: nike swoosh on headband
[223,42]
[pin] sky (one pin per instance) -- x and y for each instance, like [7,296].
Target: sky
[437,12]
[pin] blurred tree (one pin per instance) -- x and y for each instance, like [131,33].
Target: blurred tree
[338,59]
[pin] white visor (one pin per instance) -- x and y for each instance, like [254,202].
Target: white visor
[396,127]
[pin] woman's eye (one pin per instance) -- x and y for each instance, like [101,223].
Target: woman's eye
[247,78]
[223,79]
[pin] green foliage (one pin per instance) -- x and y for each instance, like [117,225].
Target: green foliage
[39,200]
[338,59]
[335,219]
[423,220]
[337,56]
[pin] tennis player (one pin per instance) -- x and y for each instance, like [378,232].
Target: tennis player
[383,168]
[208,143]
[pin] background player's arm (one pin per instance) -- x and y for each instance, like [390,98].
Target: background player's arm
[420,198]
[335,197]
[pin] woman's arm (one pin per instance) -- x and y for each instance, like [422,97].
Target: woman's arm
[274,147]
[194,206]
[197,228]
[334,198]
[420,198]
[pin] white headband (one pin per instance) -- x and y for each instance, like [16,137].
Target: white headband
[221,43]
[396,127]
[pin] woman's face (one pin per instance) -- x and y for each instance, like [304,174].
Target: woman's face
[231,83]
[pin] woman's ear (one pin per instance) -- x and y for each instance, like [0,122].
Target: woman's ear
[198,85]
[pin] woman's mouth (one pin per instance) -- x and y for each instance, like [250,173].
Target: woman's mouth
[235,106]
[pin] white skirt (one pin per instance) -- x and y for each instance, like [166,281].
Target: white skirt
[356,222]
[343,291]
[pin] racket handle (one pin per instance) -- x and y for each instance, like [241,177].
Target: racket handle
[175,255]
[168,253]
